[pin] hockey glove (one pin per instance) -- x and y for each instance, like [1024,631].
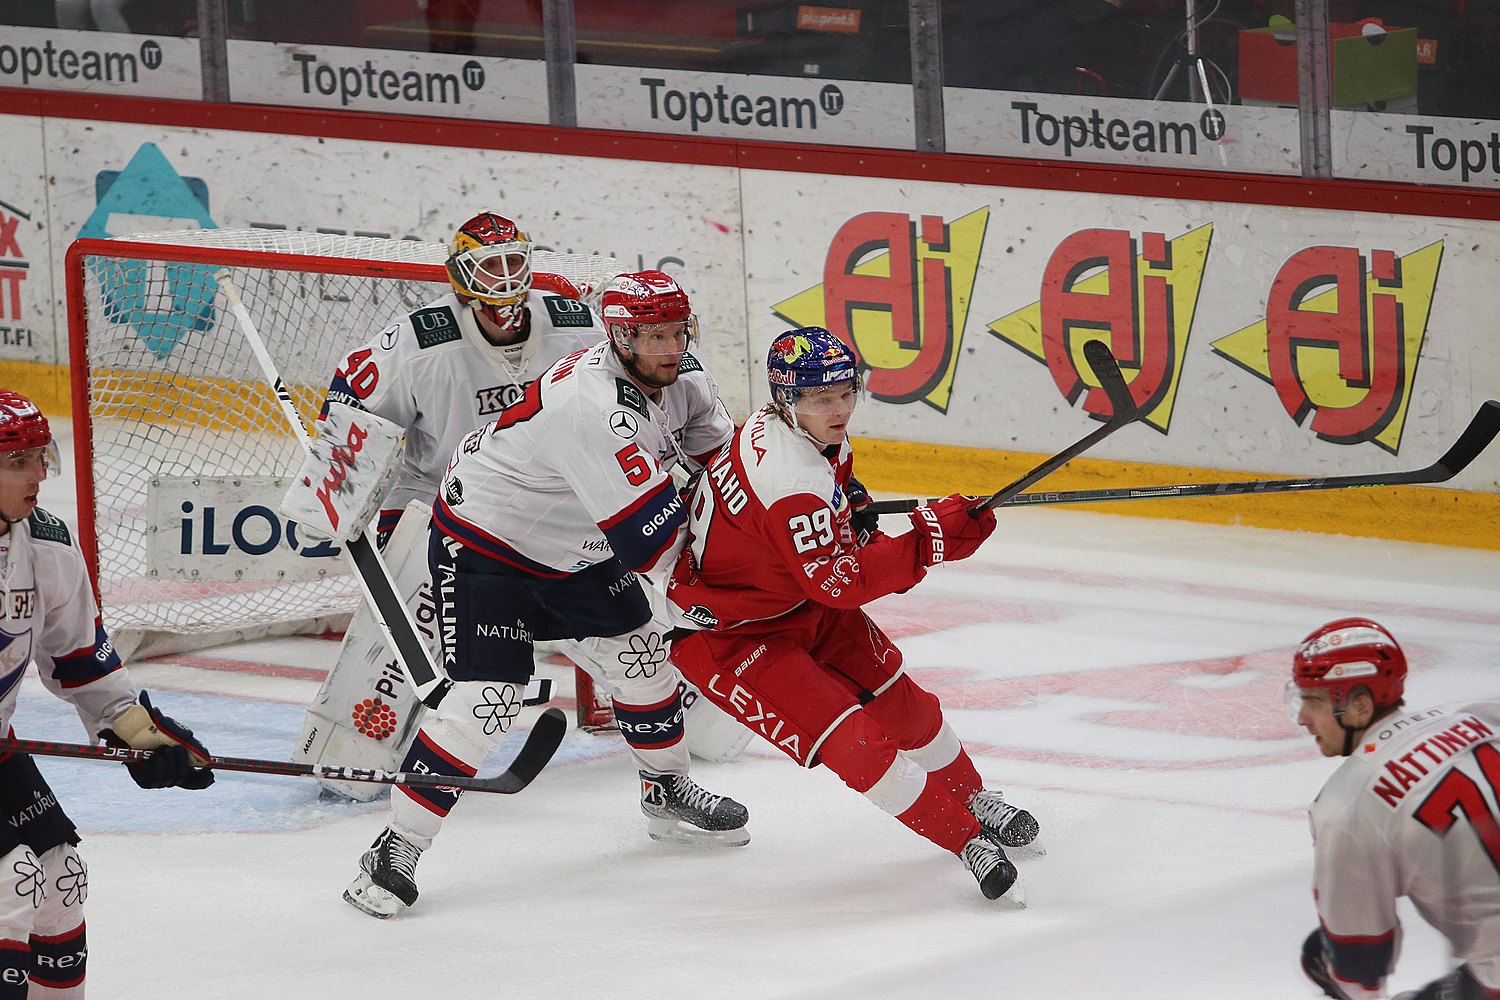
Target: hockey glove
[947,531]
[178,760]
[1315,965]
[864,521]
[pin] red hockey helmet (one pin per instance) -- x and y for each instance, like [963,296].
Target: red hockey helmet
[634,302]
[23,427]
[1350,653]
[489,265]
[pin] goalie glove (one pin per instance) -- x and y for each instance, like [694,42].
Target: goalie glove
[947,531]
[864,521]
[178,759]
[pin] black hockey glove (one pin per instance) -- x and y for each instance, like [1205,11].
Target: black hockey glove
[1315,965]
[864,521]
[178,759]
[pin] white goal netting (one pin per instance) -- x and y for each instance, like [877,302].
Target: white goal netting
[184,449]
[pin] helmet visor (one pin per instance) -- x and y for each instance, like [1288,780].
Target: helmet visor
[29,462]
[828,400]
[654,340]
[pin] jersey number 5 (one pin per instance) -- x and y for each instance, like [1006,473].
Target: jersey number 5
[1458,793]
[636,466]
[811,531]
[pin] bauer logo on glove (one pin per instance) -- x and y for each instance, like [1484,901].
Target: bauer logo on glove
[351,460]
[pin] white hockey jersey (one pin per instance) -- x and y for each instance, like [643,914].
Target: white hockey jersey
[578,470]
[434,373]
[1414,812]
[47,613]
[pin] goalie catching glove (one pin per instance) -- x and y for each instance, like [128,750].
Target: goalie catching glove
[947,531]
[178,759]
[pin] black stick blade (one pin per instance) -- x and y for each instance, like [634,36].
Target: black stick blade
[1107,370]
[541,743]
[1475,438]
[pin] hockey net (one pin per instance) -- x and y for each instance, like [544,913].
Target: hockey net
[182,451]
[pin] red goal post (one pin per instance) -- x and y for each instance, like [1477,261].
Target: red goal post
[180,449]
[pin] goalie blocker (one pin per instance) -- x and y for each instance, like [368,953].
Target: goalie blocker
[366,715]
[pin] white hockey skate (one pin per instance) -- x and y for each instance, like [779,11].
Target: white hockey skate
[1008,825]
[996,876]
[680,811]
[387,878]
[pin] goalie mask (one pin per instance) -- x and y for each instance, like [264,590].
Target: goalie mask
[650,323]
[489,266]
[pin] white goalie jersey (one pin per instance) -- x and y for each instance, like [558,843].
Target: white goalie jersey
[434,373]
[1413,812]
[578,470]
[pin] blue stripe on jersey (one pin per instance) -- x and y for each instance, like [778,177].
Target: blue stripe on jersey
[86,665]
[11,679]
[426,757]
[651,727]
[486,544]
[1364,959]
[640,533]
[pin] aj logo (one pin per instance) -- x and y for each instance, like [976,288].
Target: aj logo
[898,292]
[1138,294]
[1341,338]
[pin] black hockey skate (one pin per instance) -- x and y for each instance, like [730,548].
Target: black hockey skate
[387,879]
[681,811]
[993,870]
[1008,825]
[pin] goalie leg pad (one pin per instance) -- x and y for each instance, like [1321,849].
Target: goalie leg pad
[366,714]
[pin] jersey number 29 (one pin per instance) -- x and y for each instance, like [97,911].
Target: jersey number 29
[811,531]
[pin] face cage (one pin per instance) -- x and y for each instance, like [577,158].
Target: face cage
[630,341]
[497,275]
[51,460]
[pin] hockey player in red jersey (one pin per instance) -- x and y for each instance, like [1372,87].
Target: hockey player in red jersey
[1412,811]
[48,615]
[543,522]
[776,575]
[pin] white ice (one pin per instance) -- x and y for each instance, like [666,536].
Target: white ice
[1119,677]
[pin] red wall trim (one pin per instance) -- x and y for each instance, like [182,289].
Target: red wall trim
[1141,182]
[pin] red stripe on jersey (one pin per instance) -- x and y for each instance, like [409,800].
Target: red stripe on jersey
[481,541]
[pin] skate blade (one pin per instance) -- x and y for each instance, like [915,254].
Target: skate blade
[368,898]
[1015,896]
[673,831]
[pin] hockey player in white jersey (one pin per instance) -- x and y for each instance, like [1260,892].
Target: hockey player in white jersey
[543,522]
[1414,811]
[438,372]
[48,615]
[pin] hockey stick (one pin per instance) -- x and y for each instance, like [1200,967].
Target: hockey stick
[1122,411]
[1482,429]
[541,743]
[391,615]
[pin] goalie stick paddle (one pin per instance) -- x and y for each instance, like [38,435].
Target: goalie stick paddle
[541,743]
[390,612]
[1482,429]
[1122,411]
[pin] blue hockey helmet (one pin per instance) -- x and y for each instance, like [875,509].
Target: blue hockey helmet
[806,358]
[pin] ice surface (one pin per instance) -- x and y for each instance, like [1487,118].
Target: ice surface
[1119,677]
